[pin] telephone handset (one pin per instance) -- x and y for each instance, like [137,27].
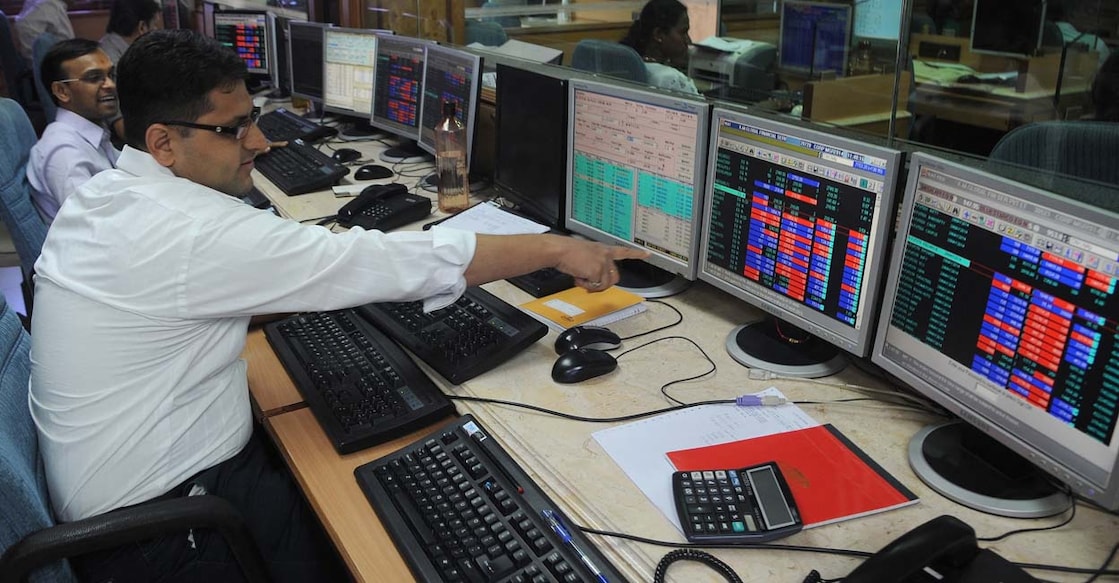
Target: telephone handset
[944,545]
[384,207]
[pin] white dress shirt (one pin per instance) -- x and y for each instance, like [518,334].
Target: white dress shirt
[71,150]
[39,16]
[143,295]
[114,46]
[667,77]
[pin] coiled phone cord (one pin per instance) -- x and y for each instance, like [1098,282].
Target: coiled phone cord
[698,556]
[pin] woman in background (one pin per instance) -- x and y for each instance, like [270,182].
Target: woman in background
[660,36]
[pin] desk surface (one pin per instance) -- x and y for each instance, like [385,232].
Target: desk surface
[565,459]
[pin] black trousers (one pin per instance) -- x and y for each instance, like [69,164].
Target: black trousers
[286,530]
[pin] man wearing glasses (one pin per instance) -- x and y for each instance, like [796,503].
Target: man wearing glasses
[76,145]
[143,295]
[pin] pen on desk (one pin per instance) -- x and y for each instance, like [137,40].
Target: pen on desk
[553,520]
[428,226]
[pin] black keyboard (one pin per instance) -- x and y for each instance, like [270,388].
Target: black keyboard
[298,168]
[460,509]
[280,125]
[543,282]
[461,341]
[360,385]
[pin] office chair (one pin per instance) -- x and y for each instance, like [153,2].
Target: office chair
[24,223]
[609,58]
[504,21]
[17,75]
[485,32]
[39,48]
[34,548]
[1080,149]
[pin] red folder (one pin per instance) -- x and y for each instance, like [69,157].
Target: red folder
[830,477]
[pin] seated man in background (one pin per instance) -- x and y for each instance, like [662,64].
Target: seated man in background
[138,390]
[76,145]
[39,16]
[660,36]
[128,20]
[1059,11]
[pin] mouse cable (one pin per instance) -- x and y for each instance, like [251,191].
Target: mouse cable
[698,556]
[664,387]
[574,417]
[679,318]
[1095,572]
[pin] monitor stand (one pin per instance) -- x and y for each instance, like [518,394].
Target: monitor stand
[407,152]
[360,130]
[775,345]
[649,281]
[977,471]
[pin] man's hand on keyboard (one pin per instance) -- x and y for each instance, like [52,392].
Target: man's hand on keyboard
[279,144]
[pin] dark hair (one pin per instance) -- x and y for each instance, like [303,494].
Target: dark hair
[168,75]
[1105,90]
[50,70]
[663,14]
[126,15]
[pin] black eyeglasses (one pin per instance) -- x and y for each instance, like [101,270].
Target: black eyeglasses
[97,77]
[237,132]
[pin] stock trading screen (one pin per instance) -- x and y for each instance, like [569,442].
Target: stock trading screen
[399,80]
[247,35]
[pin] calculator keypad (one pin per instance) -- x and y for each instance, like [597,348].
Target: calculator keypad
[715,502]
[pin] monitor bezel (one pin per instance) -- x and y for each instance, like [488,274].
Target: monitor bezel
[675,101]
[428,145]
[269,39]
[856,339]
[782,65]
[386,124]
[337,108]
[291,67]
[277,46]
[988,51]
[978,409]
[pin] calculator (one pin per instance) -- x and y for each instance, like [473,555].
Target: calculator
[747,505]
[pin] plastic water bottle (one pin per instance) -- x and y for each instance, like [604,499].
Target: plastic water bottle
[450,161]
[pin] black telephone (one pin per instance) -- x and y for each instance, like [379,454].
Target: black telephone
[944,545]
[384,207]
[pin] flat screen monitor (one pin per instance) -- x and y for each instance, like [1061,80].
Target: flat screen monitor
[279,53]
[398,85]
[305,57]
[797,224]
[814,37]
[530,156]
[449,75]
[349,65]
[635,163]
[878,19]
[246,32]
[1001,304]
[1007,27]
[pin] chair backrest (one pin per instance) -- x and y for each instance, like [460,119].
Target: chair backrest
[485,32]
[23,221]
[1082,149]
[509,21]
[609,58]
[39,48]
[16,74]
[23,486]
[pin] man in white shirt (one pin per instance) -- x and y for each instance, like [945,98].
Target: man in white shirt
[128,21]
[76,145]
[39,16]
[144,291]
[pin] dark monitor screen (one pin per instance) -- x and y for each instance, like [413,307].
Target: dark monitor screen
[530,160]
[1002,304]
[246,32]
[797,224]
[1007,27]
[814,37]
[449,75]
[280,51]
[305,57]
[349,63]
[398,85]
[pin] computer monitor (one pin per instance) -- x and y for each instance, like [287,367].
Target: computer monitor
[349,65]
[279,53]
[797,223]
[1001,306]
[814,37]
[530,143]
[247,33]
[305,58]
[449,75]
[878,19]
[635,163]
[1007,27]
[398,93]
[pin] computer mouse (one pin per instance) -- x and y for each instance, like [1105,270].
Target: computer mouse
[373,172]
[344,155]
[593,337]
[581,364]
